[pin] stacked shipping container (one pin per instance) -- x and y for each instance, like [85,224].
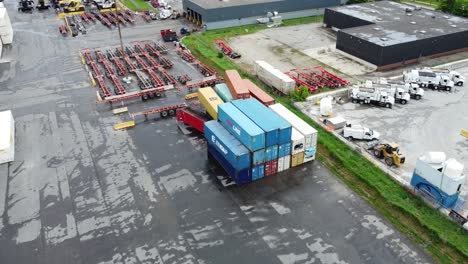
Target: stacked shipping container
[274,77]
[252,141]
[258,93]
[309,133]
[236,85]
[223,91]
[210,100]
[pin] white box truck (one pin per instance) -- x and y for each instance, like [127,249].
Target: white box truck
[7,137]
[309,133]
[428,78]
[365,95]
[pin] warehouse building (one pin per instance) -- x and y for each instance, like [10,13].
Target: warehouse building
[389,34]
[214,14]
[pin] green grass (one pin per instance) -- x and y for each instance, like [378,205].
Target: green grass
[444,240]
[137,5]
[428,3]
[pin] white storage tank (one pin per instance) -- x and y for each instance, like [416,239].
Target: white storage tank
[326,108]
[7,137]
[453,178]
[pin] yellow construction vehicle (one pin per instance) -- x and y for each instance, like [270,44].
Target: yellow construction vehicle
[390,152]
[73,6]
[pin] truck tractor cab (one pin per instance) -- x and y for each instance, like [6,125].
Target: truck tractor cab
[74,6]
[415,91]
[390,152]
[458,79]
[446,82]
[42,4]
[25,6]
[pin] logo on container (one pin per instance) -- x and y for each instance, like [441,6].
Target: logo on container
[237,130]
[221,147]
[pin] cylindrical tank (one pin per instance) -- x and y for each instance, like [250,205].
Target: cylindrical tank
[435,157]
[326,108]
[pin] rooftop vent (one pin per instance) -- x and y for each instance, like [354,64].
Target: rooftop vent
[422,31]
[383,39]
[413,23]
[454,26]
[376,28]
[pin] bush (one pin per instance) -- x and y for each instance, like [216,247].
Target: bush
[300,94]
[220,55]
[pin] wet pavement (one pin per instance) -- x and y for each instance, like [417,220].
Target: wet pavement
[81,192]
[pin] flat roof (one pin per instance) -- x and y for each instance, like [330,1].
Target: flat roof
[211,4]
[396,23]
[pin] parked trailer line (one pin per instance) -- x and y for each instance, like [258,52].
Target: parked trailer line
[103,86]
[132,95]
[155,78]
[89,57]
[120,88]
[164,111]
[322,79]
[99,55]
[111,55]
[168,77]
[185,55]
[307,78]
[91,17]
[208,81]
[301,82]
[332,76]
[144,83]
[84,18]
[97,72]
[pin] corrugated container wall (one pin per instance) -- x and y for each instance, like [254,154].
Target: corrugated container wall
[258,93]
[239,176]
[297,159]
[271,167]
[271,153]
[236,85]
[309,133]
[227,145]
[277,130]
[297,142]
[241,126]
[258,172]
[210,100]
[274,77]
[7,137]
[284,149]
[223,91]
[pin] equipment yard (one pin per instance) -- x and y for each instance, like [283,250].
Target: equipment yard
[433,123]
[81,192]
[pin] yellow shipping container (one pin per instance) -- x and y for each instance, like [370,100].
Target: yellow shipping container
[297,159]
[210,100]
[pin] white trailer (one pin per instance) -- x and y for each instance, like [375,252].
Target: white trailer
[365,95]
[413,89]
[274,77]
[7,137]
[6,30]
[359,132]
[309,133]
[428,78]
[453,75]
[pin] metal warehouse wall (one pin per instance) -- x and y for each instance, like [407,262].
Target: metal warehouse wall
[260,9]
[360,48]
[187,4]
[342,21]
[423,48]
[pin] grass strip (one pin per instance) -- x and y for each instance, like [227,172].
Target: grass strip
[444,240]
[138,5]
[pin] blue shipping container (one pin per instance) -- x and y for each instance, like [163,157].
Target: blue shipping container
[227,145]
[284,150]
[277,130]
[239,176]
[223,91]
[258,172]
[271,153]
[241,126]
[258,157]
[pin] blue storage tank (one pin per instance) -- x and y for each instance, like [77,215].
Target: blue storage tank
[239,176]
[277,130]
[258,157]
[284,150]
[271,153]
[227,145]
[258,172]
[241,126]
[223,91]
[445,200]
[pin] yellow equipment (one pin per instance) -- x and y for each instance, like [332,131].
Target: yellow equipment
[390,152]
[124,125]
[464,133]
[73,6]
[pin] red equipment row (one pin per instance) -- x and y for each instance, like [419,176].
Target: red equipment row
[190,58]
[316,79]
[224,47]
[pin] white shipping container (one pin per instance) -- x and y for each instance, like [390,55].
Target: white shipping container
[7,137]
[297,142]
[281,164]
[274,77]
[6,39]
[309,133]
[1,48]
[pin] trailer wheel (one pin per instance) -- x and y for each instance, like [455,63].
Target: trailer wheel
[164,114]
[151,95]
[354,101]
[389,161]
[361,102]
[378,153]
[417,97]
[448,89]
[171,112]
[144,97]
[403,102]
[350,138]
[388,105]
[460,83]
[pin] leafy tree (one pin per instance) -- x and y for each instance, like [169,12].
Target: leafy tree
[300,94]
[455,7]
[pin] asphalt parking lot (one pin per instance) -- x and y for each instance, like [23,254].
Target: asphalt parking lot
[80,192]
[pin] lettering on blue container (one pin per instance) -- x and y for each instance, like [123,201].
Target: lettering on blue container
[237,130]
[221,147]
